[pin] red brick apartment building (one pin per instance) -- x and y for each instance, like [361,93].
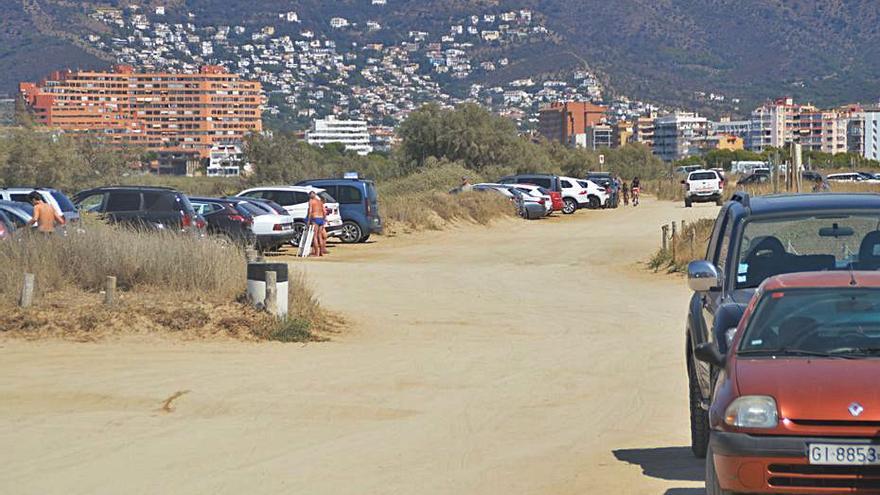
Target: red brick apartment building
[184,114]
[560,121]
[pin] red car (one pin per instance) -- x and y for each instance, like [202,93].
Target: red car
[796,403]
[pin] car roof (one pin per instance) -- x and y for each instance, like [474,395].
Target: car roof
[532,175]
[831,279]
[286,188]
[811,203]
[213,200]
[130,188]
[16,189]
[339,180]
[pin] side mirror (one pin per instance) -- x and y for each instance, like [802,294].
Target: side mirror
[703,276]
[708,352]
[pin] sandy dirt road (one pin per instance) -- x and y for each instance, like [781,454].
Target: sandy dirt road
[523,358]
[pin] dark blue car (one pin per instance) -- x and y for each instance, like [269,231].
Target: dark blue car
[358,206]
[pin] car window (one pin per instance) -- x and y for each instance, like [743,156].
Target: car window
[254,194]
[566,184]
[300,198]
[724,249]
[62,201]
[703,176]
[283,198]
[160,202]
[545,183]
[253,209]
[19,197]
[123,201]
[349,195]
[371,191]
[331,190]
[92,203]
[326,198]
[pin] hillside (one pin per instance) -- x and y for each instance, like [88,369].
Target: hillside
[662,51]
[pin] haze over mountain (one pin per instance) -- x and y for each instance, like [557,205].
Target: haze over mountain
[663,51]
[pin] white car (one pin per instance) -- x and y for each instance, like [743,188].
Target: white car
[54,197]
[581,193]
[851,177]
[703,186]
[295,199]
[537,192]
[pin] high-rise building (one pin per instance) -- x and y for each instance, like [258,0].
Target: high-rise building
[643,131]
[163,112]
[560,121]
[871,143]
[679,135]
[783,121]
[353,134]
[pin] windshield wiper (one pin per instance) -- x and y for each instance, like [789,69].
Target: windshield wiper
[862,351]
[795,352]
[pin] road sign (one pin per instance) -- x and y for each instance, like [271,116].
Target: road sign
[601,159]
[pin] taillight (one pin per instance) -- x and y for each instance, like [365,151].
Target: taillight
[541,201]
[186,220]
[369,209]
[238,218]
[200,223]
[277,227]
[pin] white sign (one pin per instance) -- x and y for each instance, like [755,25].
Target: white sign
[601,159]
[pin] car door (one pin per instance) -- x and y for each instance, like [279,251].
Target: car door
[123,206]
[351,204]
[718,253]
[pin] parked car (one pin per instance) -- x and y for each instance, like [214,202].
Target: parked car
[578,194]
[757,238]
[295,199]
[796,406]
[155,208]
[527,206]
[232,219]
[703,186]
[7,228]
[358,206]
[851,177]
[684,170]
[604,179]
[537,192]
[18,213]
[811,176]
[273,225]
[54,197]
[549,182]
[754,178]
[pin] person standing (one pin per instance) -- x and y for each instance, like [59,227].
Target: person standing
[46,218]
[625,189]
[466,185]
[318,219]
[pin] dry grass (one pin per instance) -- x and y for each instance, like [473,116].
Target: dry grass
[421,201]
[167,284]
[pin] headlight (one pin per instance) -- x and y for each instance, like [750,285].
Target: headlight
[752,411]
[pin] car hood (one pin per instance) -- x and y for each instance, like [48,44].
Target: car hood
[814,388]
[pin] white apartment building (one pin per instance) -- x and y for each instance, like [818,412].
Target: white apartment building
[225,160]
[679,135]
[871,143]
[354,134]
[783,121]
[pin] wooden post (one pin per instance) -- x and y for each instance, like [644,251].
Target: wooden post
[673,240]
[271,303]
[683,225]
[27,291]
[665,230]
[692,234]
[110,291]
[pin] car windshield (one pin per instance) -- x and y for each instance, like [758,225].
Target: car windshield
[815,322]
[807,244]
[703,176]
[257,209]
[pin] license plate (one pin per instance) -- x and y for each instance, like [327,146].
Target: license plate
[835,454]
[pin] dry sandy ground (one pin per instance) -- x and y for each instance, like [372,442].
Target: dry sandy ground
[524,358]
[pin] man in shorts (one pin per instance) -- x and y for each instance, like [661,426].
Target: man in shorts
[46,218]
[319,220]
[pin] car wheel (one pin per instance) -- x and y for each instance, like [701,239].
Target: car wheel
[570,206]
[365,238]
[299,229]
[713,486]
[351,232]
[688,203]
[594,202]
[699,416]
[719,201]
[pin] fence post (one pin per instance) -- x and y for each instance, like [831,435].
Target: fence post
[27,291]
[693,234]
[683,225]
[271,303]
[110,290]
[673,240]
[665,230]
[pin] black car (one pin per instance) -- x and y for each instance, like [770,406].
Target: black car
[604,179]
[231,219]
[152,208]
[757,238]
[754,178]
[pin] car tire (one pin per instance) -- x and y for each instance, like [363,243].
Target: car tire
[299,229]
[688,203]
[713,486]
[351,232]
[699,417]
[570,206]
[364,239]
[719,202]
[594,202]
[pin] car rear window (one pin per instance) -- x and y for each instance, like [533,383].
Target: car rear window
[283,198]
[254,210]
[566,184]
[123,201]
[63,202]
[349,195]
[371,191]
[326,198]
[703,176]
[160,202]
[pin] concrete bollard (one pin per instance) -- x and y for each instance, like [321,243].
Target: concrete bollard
[258,286]
[110,290]
[27,291]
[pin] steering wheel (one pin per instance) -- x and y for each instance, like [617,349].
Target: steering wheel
[768,246]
